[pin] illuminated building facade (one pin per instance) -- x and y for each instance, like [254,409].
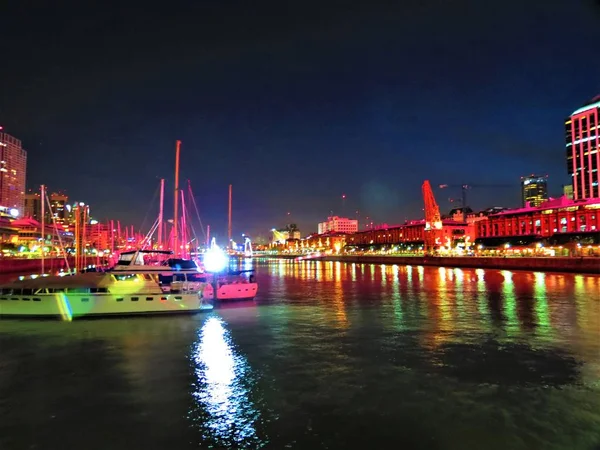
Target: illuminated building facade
[583,147]
[59,204]
[13,166]
[568,191]
[561,220]
[337,224]
[32,205]
[412,234]
[534,190]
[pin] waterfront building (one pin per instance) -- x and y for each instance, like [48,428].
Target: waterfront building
[13,166]
[336,224]
[555,222]
[583,150]
[32,205]
[411,236]
[534,190]
[280,236]
[59,204]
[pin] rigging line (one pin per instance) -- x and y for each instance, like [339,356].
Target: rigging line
[152,202]
[62,247]
[147,238]
[196,208]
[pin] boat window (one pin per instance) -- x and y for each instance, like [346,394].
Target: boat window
[27,291]
[124,276]
[25,299]
[98,290]
[78,290]
[178,298]
[37,299]
[163,299]
[85,299]
[149,299]
[3,298]
[17,291]
[6,291]
[134,299]
[119,299]
[15,299]
[179,277]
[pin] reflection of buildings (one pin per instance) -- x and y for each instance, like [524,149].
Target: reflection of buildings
[534,190]
[337,224]
[583,150]
[13,166]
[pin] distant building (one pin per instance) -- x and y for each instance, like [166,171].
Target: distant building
[32,205]
[337,224]
[59,204]
[13,166]
[534,190]
[568,191]
[583,150]
[291,231]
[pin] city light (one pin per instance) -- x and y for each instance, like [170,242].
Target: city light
[215,260]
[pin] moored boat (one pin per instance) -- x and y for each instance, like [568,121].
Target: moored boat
[99,294]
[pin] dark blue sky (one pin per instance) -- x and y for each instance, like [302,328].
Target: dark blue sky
[295,103]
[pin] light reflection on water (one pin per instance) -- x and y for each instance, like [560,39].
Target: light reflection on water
[330,356]
[226,416]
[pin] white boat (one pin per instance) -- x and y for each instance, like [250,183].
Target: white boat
[232,286]
[99,294]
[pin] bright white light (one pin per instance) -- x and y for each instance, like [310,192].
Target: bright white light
[215,260]
[14,212]
[93,222]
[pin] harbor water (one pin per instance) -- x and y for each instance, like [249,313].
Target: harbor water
[329,356]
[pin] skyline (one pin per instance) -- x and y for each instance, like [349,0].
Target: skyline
[296,108]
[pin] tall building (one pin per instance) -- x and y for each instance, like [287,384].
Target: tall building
[337,224]
[583,149]
[58,203]
[13,166]
[568,191]
[32,205]
[534,190]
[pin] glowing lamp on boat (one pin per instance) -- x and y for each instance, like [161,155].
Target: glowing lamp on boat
[215,260]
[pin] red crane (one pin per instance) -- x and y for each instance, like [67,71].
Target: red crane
[433,219]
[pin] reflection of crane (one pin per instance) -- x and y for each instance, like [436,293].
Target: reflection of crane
[465,187]
[433,219]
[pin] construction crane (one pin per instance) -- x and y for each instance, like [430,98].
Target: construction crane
[465,187]
[433,219]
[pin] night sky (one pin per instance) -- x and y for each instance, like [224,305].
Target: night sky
[294,103]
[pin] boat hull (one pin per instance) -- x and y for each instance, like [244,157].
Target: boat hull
[231,292]
[72,306]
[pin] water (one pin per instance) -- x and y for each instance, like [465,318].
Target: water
[331,356]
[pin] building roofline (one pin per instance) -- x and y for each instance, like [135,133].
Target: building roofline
[594,103]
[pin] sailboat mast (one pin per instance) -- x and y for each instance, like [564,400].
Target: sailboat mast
[184,236]
[229,221]
[43,220]
[160,213]
[176,200]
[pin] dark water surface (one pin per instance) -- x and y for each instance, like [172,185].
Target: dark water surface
[331,356]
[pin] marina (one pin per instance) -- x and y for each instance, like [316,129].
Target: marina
[329,355]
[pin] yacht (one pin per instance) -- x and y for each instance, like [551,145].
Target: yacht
[119,292]
[230,286]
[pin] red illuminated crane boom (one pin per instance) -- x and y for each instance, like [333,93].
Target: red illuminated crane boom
[433,219]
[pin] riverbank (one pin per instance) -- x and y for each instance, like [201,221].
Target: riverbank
[549,264]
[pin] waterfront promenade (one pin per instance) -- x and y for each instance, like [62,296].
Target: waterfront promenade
[588,265]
